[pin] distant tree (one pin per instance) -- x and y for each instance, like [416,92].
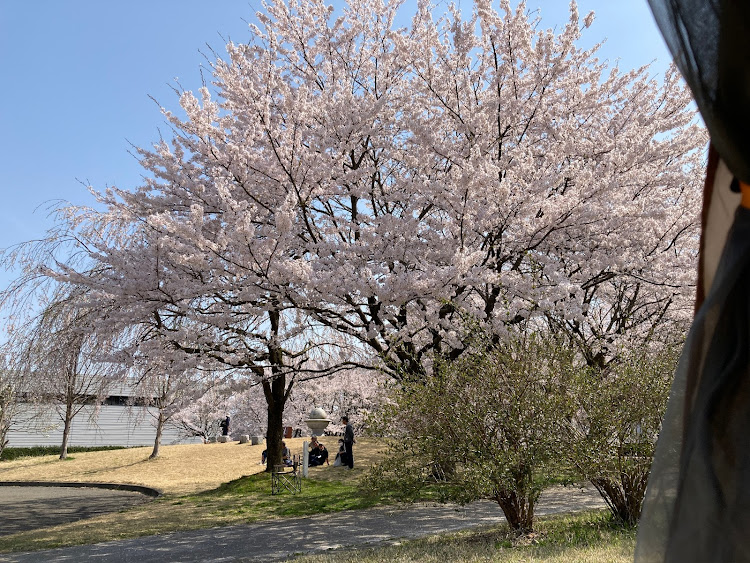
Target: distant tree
[14,392]
[166,384]
[357,393]
[486,426]
[65,354]
[201,417]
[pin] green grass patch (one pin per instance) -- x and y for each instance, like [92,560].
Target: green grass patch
[252,495]
[10,454]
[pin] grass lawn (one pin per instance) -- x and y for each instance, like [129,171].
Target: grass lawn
[204,485]
[589,537]
[179,470]
[207,485]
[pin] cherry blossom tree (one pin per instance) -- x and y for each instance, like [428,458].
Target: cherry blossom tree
[166,388]
[345,190]
[228,316]
[356,393]
[201,416]
[502,172]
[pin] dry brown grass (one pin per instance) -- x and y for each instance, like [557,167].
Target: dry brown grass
[179,470]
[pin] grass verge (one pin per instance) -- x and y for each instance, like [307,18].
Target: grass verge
[589,537]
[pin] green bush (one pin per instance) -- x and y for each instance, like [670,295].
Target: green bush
[619,414]
[486,426]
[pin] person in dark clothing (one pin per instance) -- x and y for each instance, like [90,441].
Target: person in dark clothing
[348,457]
[318,453]
[337,461]
[323,455]
[224,425]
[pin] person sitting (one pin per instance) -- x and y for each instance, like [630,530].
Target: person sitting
[339,459]
[323,455]
[314,449]
[318,453]
[263,457]
[286,455]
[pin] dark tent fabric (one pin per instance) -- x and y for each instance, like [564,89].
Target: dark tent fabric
[698,499]
[697,505]
[710,43]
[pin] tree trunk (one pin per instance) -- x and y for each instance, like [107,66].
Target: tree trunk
[5,420]
[624,498]
[66,430]
[157,440]
[71,378]
[518,510]
[275,389]
[276,393]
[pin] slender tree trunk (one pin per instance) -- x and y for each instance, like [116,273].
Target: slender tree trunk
[5,419]
[66,430]
[70,395]
[3,436]
[157,441]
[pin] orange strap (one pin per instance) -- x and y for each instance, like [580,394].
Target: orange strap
[745,189]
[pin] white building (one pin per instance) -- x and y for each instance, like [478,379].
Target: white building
[116,422]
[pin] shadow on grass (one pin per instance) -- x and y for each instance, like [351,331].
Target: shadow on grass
[109,469]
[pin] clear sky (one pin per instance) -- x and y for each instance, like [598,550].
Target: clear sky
[77,76]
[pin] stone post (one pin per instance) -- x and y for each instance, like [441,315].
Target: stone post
[305,459]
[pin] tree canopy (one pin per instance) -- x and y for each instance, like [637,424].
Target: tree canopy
[344,189]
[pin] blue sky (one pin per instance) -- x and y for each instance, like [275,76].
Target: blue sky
[77,76]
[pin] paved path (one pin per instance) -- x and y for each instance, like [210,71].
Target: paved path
[26,508]
[282,539]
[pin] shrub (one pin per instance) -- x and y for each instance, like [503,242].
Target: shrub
[486,426]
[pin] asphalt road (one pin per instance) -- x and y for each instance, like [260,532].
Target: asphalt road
[28,508]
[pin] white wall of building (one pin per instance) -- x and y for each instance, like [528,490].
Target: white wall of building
[107,425]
